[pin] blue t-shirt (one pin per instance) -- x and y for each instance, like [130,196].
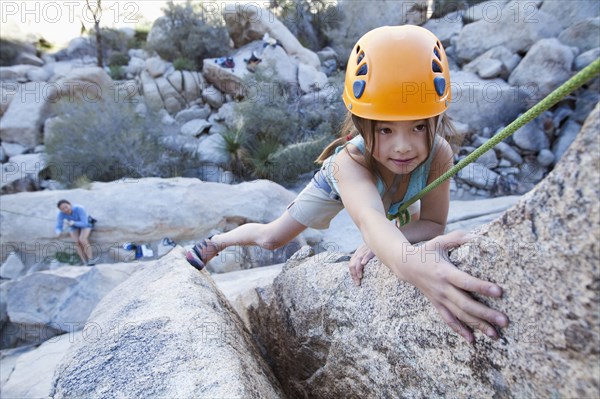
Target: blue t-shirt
[418,177]
[78,215]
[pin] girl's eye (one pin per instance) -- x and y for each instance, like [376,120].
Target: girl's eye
[420,128]
[385,130]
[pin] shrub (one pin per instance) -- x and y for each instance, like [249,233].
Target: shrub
[296,159]
[112,40]
[186,31]
[43,44]
[118,59]
[108,140]
[184,64]
[68,257]
[283,133]
[139,38]
[116,72]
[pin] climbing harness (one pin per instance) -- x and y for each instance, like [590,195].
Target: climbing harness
[582,77]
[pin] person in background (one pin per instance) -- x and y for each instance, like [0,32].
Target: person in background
[80,228]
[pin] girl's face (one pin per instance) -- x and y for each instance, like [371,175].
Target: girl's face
[400,146]
[65,208]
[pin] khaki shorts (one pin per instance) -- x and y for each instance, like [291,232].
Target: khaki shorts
[314,208]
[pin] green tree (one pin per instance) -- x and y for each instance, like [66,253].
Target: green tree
[189,31]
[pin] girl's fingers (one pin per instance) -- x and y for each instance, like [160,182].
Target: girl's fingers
[453,239]
[353,275]
[475,315]
[455,324]
[359,270]
[466,282]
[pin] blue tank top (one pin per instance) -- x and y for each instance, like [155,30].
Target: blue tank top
[418,177]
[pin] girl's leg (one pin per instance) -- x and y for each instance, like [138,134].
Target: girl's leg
[85,243]
[269,236]
[75,236]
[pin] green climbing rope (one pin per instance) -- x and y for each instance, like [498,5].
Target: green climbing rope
[550,100]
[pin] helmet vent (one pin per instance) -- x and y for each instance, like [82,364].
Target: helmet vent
[440,85]
[362,70]
[358,88]
[437,53]
[361,55]
[436,67]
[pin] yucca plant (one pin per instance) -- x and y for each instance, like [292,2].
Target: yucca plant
[261,159]
[235,148]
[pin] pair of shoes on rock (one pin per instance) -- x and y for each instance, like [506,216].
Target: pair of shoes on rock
[194,256]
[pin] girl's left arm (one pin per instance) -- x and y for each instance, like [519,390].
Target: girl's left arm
[434,206]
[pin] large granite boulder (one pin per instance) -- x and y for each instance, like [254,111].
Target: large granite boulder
[496,62]
[351,19]
[517,26]
[447,27]
[174,90]
[326,337]
[550,56]
[22,173]
[573,11]
[29,370]
[247,23]
[582,35]
[24,117]
[90,84]
[166,332]
[486,10]
[7,93]
[57,301]
[482,103]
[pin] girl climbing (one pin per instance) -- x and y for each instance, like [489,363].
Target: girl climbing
[396,90]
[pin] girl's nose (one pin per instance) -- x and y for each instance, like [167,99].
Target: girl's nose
[401,145]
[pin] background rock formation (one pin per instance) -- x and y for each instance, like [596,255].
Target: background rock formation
[325,337]
[179,208]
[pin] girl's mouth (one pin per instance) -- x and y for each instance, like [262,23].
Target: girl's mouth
[403,162]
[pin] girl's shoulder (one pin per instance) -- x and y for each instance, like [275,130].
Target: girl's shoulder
[354,152]
[443,157]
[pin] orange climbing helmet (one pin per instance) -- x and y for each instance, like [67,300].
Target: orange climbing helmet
[397,73]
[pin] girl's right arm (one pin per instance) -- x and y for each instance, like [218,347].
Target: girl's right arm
[425,266]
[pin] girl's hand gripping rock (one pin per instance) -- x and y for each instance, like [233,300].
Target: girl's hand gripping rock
[449,289]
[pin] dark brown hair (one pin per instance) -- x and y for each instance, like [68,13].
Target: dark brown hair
[62,201]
